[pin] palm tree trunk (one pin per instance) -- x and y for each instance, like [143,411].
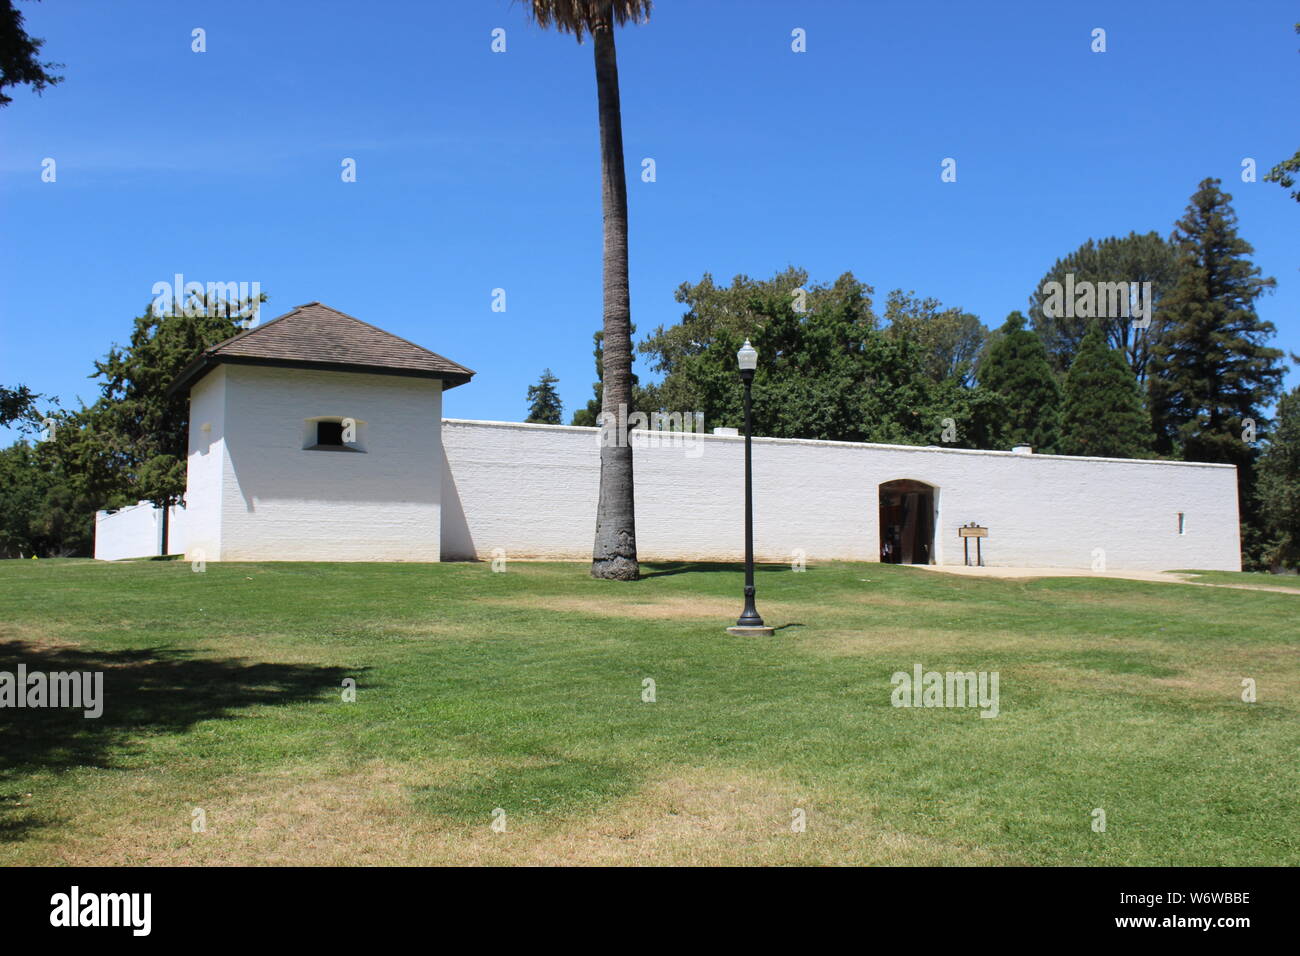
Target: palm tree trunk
[614,553]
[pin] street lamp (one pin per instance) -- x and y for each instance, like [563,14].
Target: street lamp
[749,623]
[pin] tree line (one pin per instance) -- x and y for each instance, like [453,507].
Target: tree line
[1191,379]
[1195,384]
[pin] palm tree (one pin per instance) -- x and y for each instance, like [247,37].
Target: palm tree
[614,553]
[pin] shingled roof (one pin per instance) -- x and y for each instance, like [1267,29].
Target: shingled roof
[316,336]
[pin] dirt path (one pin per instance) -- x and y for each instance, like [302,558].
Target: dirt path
[1160,577]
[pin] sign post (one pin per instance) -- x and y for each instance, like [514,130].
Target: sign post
[968,531]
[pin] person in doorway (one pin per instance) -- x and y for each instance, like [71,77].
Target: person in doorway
[889,550]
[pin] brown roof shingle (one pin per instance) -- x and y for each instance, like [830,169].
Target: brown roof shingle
[316,336]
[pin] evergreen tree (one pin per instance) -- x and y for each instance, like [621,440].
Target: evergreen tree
[45,507]
[1278,488]
[1284,174]
[1133,258]
[544,405]
[644,398]
[590,414]
[132,444]
[1016,367]
[16,404]
[19,65]
[25,485]
[950,339]
[146,427]
[1102,414]
[1211,371]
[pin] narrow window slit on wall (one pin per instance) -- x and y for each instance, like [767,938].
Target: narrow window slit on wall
[1182,523]
[333,434]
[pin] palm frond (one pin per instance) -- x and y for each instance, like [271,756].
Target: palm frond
[581,17]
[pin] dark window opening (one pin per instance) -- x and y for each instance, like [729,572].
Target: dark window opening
[329,433]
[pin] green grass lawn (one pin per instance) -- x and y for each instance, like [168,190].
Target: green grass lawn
[523,691]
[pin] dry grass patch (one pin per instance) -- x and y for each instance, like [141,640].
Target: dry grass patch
[1207,684]
[712,817]
[670,608]
[43,635]
[1224,683]
[296,816]
[1248,587]
[365,817]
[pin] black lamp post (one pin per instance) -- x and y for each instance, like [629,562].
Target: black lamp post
[749,622]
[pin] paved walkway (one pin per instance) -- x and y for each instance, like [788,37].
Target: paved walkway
[1161,577]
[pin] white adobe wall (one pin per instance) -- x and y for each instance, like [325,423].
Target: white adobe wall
[531,490]
[206,466]
[130,532]
[136,532]
[282,502]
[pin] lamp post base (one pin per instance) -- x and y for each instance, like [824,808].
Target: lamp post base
[761,631]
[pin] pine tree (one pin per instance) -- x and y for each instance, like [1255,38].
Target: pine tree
[1278,488]
[17,404]
[134,440]
[1017,369]
[1132,258]
[1102,413]
[1211,371]
[544,406]
[1211,375]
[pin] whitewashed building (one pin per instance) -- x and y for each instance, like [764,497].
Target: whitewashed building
[317,437]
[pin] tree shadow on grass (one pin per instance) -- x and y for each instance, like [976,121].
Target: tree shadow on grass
[145,692]
[665,568]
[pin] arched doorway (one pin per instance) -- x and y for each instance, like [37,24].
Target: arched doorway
[906,522]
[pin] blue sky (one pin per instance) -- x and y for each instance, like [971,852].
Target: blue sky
[479,170]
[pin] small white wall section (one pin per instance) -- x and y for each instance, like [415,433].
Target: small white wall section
[531,490]
[136,531]
[279,501]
